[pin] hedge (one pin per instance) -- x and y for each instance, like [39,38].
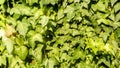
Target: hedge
[59,34]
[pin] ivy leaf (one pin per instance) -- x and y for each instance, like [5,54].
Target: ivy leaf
[116,7]
[38,53]
[117,32]
[44,20]
[60,13]
[117,17]
[79,54]
[2,32]
[22,28]
[113,2]
[30,2]
[2,60]
[105,21]
[38,13]
[11,20]
[70,12]
[103,60]
[116,25]
[45,2]
[21,9]
[8,43]
[52,62]
[9,30]
[2,1]
[20,40]
[34,38]
[21,51]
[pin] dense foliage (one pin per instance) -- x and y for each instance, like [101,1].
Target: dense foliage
[59,33]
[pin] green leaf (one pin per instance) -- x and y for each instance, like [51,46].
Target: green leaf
[30,2]
[99,6]
[101,15]
[2,32]
[70,12]
[117,32]
[38,53]
[103,60]
[117,17]
[116,7]
[104,36]
[113,2]
[112,16]
[2,48]
[20,40]
[70,1]
[34,38]
[60,14]
[75,32]
[3,60]
[52,62]
[45,2]
[105,21]
[21,51]
[11,20]
[87,1]
[38,13]
[44,20]
[78,54]
[22,28]
[2,1]
[8,43]
[116,25]
[85,12]
[21,9]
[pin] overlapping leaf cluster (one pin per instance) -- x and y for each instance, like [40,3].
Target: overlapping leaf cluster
[59,33]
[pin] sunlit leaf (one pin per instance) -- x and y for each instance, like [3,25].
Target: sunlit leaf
[113,2]
[116,7]
[8,43]
[44,20]
[34,38]
[2,1]
[22,28]
[2,60]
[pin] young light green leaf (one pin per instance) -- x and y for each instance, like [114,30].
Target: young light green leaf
[30,2]
[22,28]
[3,60]
[113,2]
[44,20]
[38,53]
[116,7]
[60,13]
[2,1]
[104,36]
[117,17]
[103,60]
[21,9]
[8,43]
[105,21]
[34,38]
[2,32]
[38,13]
[52,62]
[70,12]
